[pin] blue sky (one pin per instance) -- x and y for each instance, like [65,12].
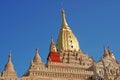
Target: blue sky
[29,24]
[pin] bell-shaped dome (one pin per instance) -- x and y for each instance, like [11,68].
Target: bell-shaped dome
[66,39]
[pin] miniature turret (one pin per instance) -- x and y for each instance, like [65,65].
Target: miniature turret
[37,58]
[53,54]
[9,71]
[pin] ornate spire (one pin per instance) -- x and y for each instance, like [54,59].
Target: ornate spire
[9,68]
[52,46]
[105,52]
[64,22]
[9,57]
[53,54]
[37,57]
[66,39]
[111,54]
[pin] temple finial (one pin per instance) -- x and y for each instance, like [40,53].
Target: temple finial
[9,56]
[105,52]
[9,68]
[52,46]
[52,39]
[111,54]
[37,57]
[64,22]
[36,50]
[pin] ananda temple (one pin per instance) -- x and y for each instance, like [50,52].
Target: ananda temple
[66,61]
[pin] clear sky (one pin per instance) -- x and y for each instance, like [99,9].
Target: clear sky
[29,24]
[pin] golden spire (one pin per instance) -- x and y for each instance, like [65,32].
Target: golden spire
[64,22]
[52,46]
[66,39]
[37,57]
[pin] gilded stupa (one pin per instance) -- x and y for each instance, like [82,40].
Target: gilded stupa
[66,39]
